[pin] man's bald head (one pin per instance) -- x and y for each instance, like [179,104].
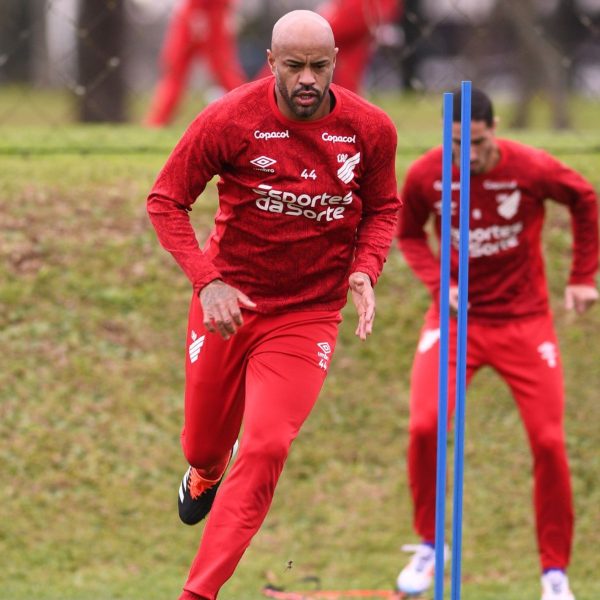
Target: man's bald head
[302,58]
[302,28]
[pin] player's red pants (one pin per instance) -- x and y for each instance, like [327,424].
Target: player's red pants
[268,375]
[198,29]
[525,354]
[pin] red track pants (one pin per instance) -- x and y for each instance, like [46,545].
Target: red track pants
[268,375]
[525,354]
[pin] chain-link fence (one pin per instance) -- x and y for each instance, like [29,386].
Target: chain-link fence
[104,54]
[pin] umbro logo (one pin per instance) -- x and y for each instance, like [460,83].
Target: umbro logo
[323,355]
[325,347]
[195,346]
[263,162]
[346,171]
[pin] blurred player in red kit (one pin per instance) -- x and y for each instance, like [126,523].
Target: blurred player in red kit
[354,24]
[308,206]
[199,28]
[510,326]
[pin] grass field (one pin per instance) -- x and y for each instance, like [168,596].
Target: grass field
[92,319]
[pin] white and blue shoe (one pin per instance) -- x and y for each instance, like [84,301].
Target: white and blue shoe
[418,574]
[555,586]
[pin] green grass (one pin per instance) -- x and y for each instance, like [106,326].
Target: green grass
[92,319]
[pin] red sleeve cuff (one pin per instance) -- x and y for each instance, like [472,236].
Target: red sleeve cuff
[580,280]
[213,274]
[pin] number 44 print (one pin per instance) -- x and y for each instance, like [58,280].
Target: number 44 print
[307,175]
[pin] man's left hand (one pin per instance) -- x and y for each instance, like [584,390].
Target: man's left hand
[580,297]
[363,297]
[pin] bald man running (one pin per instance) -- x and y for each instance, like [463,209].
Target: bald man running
[307,211]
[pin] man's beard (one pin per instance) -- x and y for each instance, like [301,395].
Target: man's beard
[302,112]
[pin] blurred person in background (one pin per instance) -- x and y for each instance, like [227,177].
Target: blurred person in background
[198,29]
[308,205]
[355,24]
[510,325]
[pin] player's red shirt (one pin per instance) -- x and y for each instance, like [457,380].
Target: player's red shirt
[506,268]
[302,204]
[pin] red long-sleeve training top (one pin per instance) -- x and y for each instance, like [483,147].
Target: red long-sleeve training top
[506,269]
[302,204]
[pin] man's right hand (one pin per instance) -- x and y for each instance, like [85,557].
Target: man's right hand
[221,307]
[580,297]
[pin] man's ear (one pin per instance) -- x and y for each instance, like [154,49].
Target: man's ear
[271,61]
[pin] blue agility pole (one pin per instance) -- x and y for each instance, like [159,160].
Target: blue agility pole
[442,431]
[461,351]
